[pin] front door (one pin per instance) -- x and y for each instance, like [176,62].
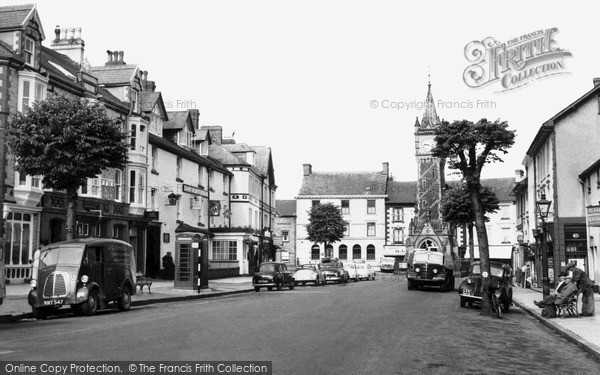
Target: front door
[93,265]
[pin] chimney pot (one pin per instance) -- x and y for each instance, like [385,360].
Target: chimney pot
[78,33]
[71,33]
[110,56]
[121,53]
[57,33]
[63,34]
[307,169]
[596,81]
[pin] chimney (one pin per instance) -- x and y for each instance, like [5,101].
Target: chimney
[195,114]
[216,133]
[144,79]
[519,173]
[69,43]
[307,169]
[386,169]
[596,81]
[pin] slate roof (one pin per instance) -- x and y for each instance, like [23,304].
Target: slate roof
[286,207]
[402,192]
[177,119]
[344,183]
[224,156]
[62,68]
[114,74]
[261,159]
[148,100]
[15,16]
[238,147]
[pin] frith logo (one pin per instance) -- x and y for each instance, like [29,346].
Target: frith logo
[515,63]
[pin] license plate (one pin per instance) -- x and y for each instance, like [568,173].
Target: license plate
[53,302]
[262,281]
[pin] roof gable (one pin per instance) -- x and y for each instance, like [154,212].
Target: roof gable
[18,16]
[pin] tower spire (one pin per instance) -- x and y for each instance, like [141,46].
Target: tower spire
[430,118]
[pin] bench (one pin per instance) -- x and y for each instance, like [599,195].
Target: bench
[142,281]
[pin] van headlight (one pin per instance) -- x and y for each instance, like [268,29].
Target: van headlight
[85,278]
[33,283]
[82,294]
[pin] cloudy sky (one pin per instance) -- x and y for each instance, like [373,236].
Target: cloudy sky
[317,80]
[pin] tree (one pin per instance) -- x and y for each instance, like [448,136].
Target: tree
[66,140]
[456,208]
[468,146]
[326,224]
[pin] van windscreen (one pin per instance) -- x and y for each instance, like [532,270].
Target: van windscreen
[64,255]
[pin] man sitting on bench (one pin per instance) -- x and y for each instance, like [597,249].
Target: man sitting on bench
[567,290]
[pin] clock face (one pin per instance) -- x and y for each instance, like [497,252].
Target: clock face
[427,144]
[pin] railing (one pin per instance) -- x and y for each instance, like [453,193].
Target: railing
[17,273]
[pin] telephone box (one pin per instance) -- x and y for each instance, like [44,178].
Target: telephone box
[191,261]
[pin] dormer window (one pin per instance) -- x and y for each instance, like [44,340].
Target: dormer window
[29,51]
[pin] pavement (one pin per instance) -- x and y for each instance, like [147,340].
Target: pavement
[582,331]
[16,307]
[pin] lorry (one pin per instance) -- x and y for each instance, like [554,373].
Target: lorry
[430,267]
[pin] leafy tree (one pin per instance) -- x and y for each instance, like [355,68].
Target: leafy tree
[456,208]
[468,146]
[66,140]
[326,224]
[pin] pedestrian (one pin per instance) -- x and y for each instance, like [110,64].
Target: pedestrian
[518,276]
[586,286]
[168,266]
[525,271]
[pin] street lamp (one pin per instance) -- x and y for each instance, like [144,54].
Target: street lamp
[543,208]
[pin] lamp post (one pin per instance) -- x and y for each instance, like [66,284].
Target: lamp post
[543,208]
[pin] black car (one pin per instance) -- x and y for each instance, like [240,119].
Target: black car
[470,290]
[273,274]
[333,270]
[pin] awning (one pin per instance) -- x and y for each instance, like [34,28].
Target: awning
[185,228]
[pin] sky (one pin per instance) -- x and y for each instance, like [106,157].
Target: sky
[337,84]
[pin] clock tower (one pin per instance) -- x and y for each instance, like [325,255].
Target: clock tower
[427,228]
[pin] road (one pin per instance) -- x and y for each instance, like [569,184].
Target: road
[369,327]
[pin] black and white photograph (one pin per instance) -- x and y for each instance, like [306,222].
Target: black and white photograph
[299,187]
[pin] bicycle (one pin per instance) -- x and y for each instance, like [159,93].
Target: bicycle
[493,290]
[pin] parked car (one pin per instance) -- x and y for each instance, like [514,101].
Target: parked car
[273,274]
[86,274]
[309,273]
[350,267]
[364,271]
[387,264]
[333,270]
[470,290]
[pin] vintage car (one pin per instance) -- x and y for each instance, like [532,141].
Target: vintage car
[309,273]
[364,271]
[350,267]
[387,264]
[428,267]
[470,290]
[273,274]
[333,270]
[86,274]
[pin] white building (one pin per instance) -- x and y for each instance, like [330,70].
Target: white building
[361,197]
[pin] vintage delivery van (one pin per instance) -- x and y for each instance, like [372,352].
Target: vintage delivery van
[85,274]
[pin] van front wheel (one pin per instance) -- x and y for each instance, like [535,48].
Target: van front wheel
[90,307]
[124,302]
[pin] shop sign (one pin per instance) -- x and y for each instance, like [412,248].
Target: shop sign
[593,216]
